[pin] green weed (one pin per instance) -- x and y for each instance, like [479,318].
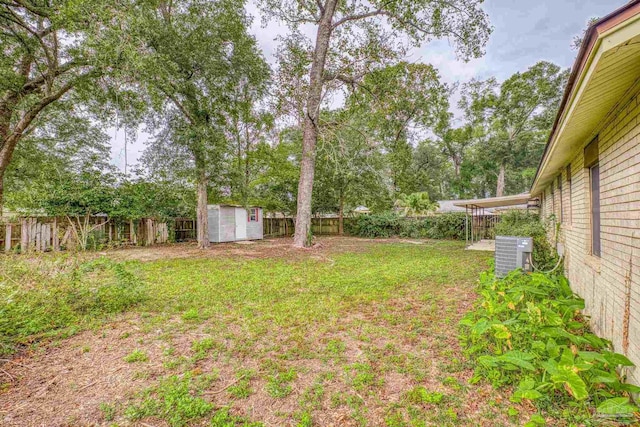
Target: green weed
[176,400]
[420,395]
[279,384]
[56,296]
[242,388]
[136,355]
[362,376]
[223,418]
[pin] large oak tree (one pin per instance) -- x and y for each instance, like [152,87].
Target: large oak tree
[49,50]
[353,37]
[193,59]
[513,119]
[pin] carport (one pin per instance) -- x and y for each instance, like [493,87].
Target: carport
[482,215]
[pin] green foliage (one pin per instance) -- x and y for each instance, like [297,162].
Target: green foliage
[526,331]
[399,102]
[523,223]
[223,418]
[44,297]
[510,119]
[362,376]
[445,226]
[136,355]
[415,204]
[176,400]
[350,170]
[420,395]
[440,226]
[279,384]
[242,388]
[376,225]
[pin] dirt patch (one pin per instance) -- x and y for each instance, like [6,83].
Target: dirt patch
[357,369]
[268,248]
[64,383]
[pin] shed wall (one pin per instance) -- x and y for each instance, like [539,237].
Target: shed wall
[213,215]
[610,284]
[255,229]
[227,224]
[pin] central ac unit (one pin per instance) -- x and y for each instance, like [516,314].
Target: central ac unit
[513,253]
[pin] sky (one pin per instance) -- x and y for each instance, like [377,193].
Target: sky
[524,32]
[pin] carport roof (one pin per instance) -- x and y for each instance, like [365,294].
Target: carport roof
[495,202]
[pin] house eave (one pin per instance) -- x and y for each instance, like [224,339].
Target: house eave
[607,34]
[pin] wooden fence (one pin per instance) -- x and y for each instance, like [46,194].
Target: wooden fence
[54,233]
[480,226]
[185,229]
[281,227]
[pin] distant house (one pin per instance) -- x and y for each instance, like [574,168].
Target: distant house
[447,206]
[361,210]
[588,180]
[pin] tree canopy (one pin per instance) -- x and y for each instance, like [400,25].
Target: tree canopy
[343,119]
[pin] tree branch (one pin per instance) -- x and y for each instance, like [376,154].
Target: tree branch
[358,17]
[177,103]
[9,144]
[31,8]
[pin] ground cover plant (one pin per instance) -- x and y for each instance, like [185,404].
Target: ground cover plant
[53,295]
[527,331]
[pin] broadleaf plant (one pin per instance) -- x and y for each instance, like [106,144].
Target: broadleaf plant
[527,331]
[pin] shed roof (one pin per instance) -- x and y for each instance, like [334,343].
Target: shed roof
[229,205]
[607,67]
[495,202]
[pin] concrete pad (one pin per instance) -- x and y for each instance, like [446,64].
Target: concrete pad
[483,245]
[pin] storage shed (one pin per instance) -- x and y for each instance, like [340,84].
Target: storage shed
[232,223]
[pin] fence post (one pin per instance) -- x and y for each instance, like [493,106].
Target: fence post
[56,236]
[132,233]
[24,235]
[150,237]
[7,237]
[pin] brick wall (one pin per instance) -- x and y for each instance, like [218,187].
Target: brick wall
[609,284]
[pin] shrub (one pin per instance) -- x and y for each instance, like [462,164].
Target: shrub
[44,296]
[527,331]
[377,225]
[446,226]
[526,224]
[443,226]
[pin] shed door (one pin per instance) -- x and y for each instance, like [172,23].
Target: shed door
[241,224]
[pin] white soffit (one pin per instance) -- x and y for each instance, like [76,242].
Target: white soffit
[611,71]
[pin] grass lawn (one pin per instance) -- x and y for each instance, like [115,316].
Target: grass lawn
[353,333]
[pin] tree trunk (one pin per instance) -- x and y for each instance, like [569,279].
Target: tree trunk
[302,236]
[1,193]
[500,187]
[341,215]
[6,153]
[457,161]
[202,217]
